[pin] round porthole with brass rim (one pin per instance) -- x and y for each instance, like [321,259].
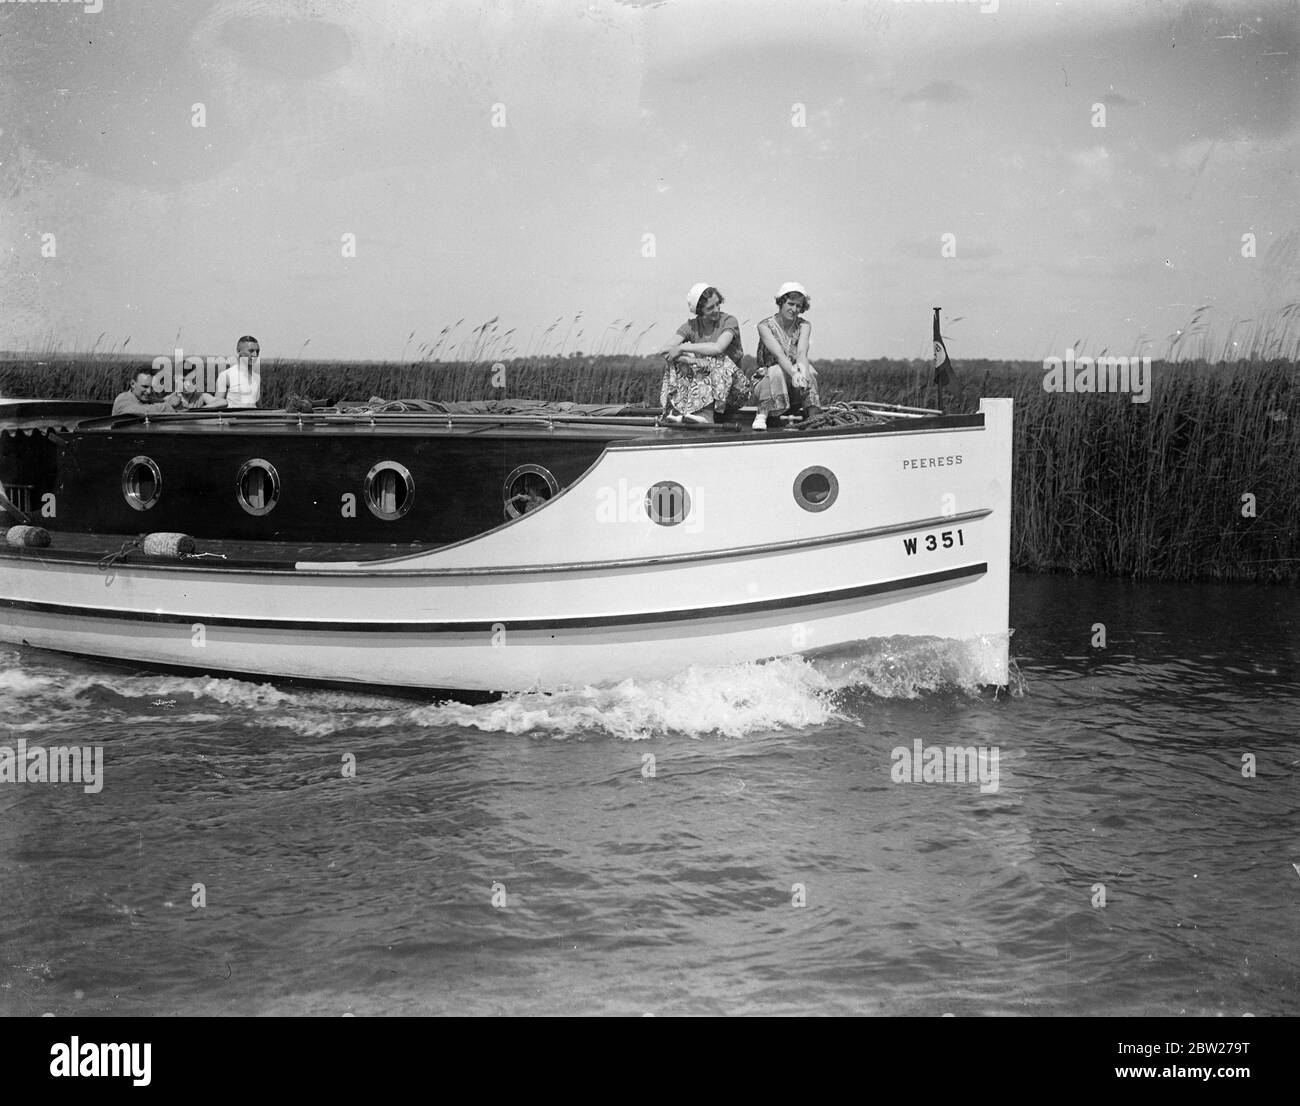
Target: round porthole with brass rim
[816,488]
[389,490]
[141,482]
[527,488]
[257,487]
[667,503]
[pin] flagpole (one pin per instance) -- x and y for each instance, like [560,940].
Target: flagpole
[938,380]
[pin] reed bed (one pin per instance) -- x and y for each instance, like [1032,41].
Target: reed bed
[1202,482]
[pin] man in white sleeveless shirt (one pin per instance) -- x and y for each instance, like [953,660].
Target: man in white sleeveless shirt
[241,384]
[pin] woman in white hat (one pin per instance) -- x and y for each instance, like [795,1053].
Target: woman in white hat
[703,375]
[783,367]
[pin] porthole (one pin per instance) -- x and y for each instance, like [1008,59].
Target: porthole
[141,482]
[258,486]
[389,490]
[816,488]
[527,488]
[667,503]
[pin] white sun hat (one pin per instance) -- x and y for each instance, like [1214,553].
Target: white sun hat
[792,286]
[693,296]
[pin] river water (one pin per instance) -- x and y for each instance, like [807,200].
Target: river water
[730,841]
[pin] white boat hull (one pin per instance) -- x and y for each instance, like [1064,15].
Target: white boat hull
[588,589]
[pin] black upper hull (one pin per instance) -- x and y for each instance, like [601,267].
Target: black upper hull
[456,486]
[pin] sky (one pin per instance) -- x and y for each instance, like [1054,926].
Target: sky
[354,179]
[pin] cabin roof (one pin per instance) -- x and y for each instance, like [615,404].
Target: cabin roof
[415,424]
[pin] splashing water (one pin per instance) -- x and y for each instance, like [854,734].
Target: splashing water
[909,667]
[730,701]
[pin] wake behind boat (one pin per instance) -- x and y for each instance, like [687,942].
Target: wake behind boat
[484,551]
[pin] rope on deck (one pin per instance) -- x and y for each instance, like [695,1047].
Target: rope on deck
[840,414]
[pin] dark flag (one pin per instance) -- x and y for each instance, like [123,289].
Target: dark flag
[944,376]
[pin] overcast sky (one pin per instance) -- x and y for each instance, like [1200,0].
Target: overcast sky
[833,143]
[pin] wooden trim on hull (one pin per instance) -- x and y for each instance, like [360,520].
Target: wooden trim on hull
[703,614]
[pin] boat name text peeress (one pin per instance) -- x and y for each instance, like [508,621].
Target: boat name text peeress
[931,462]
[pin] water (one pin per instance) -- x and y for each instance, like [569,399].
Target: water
[626,892]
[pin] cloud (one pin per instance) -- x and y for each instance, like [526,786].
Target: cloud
[1094,162]
[1103,267]
[937,92]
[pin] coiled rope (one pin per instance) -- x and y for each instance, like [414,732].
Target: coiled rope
[840,414]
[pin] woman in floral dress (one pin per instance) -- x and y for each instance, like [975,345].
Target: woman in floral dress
[702,377]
